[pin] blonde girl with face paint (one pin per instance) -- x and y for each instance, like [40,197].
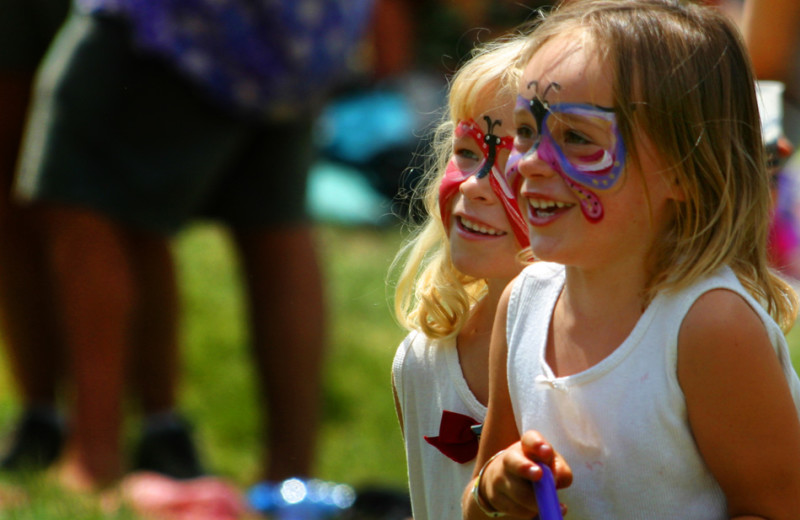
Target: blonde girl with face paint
[642,360]
[451,274]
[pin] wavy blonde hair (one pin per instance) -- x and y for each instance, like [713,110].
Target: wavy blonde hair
[682,76]
[431,295]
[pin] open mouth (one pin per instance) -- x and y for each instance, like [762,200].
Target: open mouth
[476,227]
[542,208]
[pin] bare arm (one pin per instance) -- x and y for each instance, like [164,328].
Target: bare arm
[740,409]
[506,483]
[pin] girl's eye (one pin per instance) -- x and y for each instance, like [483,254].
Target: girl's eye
[467,154]
[526,132]
[525,138]
[575,137]
[466,159]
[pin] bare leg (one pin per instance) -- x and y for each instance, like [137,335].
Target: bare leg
[95,293]
[166,445]
[155,357]
[118,296]
[287,319]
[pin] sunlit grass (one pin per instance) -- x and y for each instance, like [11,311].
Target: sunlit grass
[359,440]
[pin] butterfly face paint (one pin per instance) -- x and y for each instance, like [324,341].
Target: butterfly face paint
[581,142]
[491,146]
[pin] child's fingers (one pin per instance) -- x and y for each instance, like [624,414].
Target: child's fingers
[511,479]
[536,448]
[507,480]
[522,465]
[562,472]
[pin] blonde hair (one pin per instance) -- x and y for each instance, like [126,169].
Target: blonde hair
[431,295]
[681,75]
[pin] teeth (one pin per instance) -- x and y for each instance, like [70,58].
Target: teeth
[547,204]
[473,226]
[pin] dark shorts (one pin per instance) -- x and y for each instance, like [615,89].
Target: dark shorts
[26,28]
[123,134]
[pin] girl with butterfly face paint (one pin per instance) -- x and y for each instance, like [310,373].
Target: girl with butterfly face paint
[477,204]
[642,358]
[451,274]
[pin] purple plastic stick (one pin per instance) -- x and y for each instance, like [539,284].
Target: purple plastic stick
[546,496]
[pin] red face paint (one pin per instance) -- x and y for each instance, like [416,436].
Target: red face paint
[454,176]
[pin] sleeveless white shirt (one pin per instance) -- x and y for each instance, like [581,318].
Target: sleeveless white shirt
[428,379]
[622,424]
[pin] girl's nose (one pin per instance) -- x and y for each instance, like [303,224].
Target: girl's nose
[477,189]
[531,165]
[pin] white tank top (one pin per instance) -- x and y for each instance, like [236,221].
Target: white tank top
[428,378]
[622,424]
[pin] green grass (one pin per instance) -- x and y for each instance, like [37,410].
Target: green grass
[359,440]
[794,346]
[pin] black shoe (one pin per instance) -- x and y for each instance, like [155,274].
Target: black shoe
[35,444]
[169,450]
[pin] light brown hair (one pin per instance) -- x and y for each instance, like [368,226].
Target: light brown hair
[682,76]
[431,295]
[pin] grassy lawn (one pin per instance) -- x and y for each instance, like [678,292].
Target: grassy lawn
[359,442]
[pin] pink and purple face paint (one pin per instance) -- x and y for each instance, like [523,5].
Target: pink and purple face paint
[505,188]
[581,142]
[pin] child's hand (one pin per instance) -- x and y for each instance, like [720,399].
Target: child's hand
[506,482]
[537,449]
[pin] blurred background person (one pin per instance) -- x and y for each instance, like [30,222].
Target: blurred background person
[27,317]
[772,34]
[148,115]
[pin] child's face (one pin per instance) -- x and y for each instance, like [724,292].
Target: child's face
[582,202]
[482,240]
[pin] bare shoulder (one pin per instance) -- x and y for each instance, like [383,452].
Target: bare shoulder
[722,339]
[737,396]
[722,322]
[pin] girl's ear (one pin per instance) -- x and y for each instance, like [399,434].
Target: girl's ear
[676,191]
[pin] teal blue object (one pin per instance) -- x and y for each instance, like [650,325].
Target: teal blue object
[296,499]
[356,128]
[342,195]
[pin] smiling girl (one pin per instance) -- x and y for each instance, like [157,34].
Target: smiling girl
[453,272]
[643,358]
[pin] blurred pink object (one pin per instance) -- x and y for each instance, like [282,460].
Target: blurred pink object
[784,233]
[158,497]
